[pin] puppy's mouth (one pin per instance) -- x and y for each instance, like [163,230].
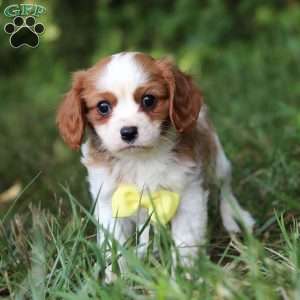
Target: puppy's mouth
[135,148]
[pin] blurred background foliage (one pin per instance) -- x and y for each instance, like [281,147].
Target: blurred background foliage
[243,54]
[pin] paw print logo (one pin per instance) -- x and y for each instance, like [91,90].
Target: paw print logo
[24,32]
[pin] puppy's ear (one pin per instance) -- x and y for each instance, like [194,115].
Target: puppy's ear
[185,98]
[70,116]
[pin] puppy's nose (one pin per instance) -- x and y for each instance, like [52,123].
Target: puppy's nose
[129,134]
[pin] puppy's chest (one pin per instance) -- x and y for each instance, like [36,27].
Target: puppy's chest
[163,171]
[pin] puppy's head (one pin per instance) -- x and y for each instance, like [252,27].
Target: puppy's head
[129,100]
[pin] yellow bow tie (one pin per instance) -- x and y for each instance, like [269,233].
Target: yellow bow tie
[161,205]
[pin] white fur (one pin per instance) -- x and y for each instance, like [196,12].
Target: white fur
[123,75]
[156,169]
[153,170]
[189,224]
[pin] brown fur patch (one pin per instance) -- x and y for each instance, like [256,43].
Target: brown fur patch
[148,64]
[180,104]
[185,98]
[71,117]
[198,144]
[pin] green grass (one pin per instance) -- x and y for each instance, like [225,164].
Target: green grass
[55,261]
[48,248]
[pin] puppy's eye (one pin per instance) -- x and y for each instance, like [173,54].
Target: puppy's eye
[148,101]
[104,108]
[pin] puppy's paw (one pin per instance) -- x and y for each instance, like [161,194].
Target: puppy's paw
[141,251]
[233,215]
[109,276]
[231,225]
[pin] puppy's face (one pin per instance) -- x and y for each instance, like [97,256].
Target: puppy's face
[128,103]
[129,100]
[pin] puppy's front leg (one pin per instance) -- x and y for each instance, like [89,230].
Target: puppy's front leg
[189,224]
[112,228]
[101,188]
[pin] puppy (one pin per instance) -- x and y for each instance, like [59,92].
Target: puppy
[148,133]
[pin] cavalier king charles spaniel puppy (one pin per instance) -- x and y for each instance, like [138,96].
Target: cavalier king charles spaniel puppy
[150,151]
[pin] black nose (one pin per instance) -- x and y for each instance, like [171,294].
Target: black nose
[129,134]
